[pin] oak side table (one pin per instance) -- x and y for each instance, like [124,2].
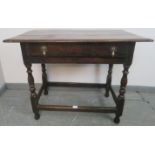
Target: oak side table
[80,46]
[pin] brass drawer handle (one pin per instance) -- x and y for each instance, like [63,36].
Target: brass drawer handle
[44,50]
[113,50]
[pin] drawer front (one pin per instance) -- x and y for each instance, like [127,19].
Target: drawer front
[108,50]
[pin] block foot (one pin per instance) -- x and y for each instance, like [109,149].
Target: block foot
[37,116]
[116,120]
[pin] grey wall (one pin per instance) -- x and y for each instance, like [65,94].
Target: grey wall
[1,78]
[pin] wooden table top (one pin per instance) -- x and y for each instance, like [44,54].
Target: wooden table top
[77,35]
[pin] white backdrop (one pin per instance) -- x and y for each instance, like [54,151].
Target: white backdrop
[141,72]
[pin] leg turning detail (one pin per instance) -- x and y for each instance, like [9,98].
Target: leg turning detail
[32,91]
[108,83]
[44,78]
[121,96]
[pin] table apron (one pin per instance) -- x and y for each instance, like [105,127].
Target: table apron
[74,60]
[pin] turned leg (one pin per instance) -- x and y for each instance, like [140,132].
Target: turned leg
[121,96]
[44,78]
[108,83]
[32,91]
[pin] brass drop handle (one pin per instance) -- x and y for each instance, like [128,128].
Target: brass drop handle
[113,50]
[44,50]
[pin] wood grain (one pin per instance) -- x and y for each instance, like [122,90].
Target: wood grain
[78,35]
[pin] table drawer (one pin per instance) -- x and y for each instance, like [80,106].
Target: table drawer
[110,50]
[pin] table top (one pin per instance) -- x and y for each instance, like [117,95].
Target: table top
[77,35]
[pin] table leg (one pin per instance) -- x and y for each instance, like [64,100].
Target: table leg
[44,78]
[32,91]
[108,83]
[121,97]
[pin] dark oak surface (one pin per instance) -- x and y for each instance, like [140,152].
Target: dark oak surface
[77,35]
